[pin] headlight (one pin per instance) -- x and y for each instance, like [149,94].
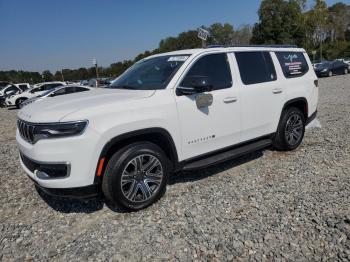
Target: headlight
[35,132]
[59,130]
[324,70]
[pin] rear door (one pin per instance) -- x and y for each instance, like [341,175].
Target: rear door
[262,95]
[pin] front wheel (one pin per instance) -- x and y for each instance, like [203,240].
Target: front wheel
[136,176]
[346,71]
[330,73]
[19,102]
[290,131]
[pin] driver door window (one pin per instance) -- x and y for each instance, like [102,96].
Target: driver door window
[216,67]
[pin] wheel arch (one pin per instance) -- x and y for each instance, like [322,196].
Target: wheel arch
[158,136]
[20,98]
[300,103]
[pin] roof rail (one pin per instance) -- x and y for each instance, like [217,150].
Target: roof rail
[271,46]
[215,46]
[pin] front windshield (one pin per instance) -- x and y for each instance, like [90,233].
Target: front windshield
[150,74]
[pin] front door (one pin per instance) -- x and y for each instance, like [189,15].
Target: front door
[206,129]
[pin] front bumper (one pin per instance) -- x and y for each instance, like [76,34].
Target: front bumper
[79,154]
[86,192]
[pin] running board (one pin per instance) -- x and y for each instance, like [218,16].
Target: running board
[227,155]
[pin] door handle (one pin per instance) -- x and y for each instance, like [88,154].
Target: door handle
[277,91]
[230,100]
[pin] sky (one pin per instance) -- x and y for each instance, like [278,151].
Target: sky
[46,34]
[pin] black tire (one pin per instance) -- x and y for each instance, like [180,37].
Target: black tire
[346,71]
[330,73]
[282,139]
[19,101]
[123,159]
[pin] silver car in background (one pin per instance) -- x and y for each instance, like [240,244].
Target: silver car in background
[58,91]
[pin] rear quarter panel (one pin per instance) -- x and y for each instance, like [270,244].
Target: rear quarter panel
[303,87]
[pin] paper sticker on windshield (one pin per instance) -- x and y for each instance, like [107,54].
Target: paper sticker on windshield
[177,58]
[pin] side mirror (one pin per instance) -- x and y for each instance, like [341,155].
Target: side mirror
[195,84]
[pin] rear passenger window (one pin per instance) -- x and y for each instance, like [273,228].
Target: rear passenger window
[293,63]
[215,67]
[255,67]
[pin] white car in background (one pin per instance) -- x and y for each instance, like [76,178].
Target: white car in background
[16,100]
[13,89]
[62,90]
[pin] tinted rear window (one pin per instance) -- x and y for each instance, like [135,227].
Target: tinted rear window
[293,63]
[255,67]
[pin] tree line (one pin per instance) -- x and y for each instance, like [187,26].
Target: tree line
[322,29]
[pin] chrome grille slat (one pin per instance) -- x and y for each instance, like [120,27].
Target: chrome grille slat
[26,130]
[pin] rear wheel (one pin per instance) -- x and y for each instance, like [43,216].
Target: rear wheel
[136,176]
[290,131]
[346,71]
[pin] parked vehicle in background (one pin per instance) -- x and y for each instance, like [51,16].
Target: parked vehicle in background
[38,89]
[327,68]
[99,82]
[84,82]
[10,89]
[346,60]
[3,84]
[181,110]
[62,90]
[23,86]
[2,101]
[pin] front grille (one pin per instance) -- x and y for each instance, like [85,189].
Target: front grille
[26,130]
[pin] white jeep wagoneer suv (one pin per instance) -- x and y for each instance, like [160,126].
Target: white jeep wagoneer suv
[181,110]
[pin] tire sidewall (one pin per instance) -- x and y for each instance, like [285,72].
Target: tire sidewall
[116,167]
[19,102]
[286,116]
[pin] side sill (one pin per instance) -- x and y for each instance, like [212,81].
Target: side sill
[225,154]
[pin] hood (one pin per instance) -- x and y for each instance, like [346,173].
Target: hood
[54,109]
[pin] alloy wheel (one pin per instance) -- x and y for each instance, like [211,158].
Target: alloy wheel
[294,129]
[141,178]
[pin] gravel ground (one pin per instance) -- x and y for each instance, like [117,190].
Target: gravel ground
[264,206]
